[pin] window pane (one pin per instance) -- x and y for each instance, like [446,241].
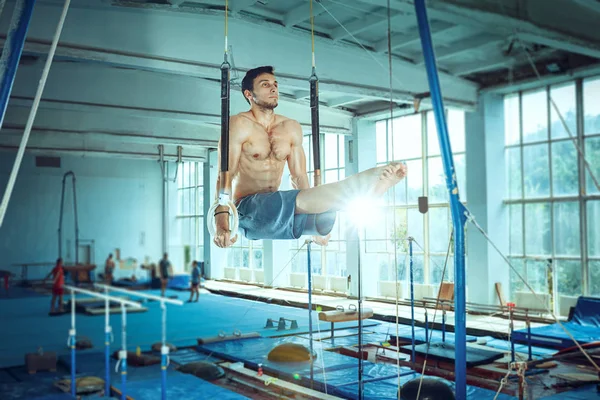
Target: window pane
[535,116]
[192,178]
[437,181]
[186,202]
[436,268]
[336,263]
[414,181]
[568,277]
[516,229]
[513,172]
[535,171]
[257,259]
[591,106]
[456,130]
[593,228]
[418,269]
[516,284]
[537,229]
[537,277]
[381,141]
[512,125]
[407,137]
[461,175]
[331,151]
[566,229]
[331,176]
[342,150]
[186,174]
[594,267]
[185,231]
[433,142]
[564,98]
[415,228]
[180,194]
[565,176]
[592,155]
[439,229]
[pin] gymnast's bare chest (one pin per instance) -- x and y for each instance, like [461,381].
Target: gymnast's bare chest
[265,145]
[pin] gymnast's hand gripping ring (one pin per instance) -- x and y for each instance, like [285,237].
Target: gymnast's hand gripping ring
[233,215]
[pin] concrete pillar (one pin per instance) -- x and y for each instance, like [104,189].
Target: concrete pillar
[363,138]
[485,192]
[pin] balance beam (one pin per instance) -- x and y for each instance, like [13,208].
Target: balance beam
[340,315]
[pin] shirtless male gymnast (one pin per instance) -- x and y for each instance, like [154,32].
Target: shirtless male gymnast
[260,143]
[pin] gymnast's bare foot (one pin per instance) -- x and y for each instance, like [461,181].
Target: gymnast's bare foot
[389,176]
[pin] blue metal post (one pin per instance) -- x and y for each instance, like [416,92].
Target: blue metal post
[310,330]
[107,340]
[164,351]
[458,210]
[123,355]
[443,326]
[107,332]
[72,344]
[13,48]
[426,327]
[412,300]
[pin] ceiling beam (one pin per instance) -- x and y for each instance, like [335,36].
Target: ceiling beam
[361,24]
[572,45]
[203,70]
[592,5]
[497,62]
[462,47]
[300,14]
[342,101]
[239,5]
[413,37]
[476,16]
[211,120]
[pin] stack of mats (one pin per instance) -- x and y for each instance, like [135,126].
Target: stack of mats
[584,327]
[333,373]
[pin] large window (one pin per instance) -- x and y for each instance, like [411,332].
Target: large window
[332,170]
[413,140]
[190,215]
[553,204]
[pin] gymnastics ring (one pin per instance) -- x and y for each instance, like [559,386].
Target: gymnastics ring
[233,216]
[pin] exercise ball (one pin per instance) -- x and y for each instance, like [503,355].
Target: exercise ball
[203,370]
[432,388]
[290,352]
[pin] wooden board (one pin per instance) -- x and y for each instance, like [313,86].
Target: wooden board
[498,286]
[343,316]
[270,381]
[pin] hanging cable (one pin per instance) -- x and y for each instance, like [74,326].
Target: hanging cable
[224,191]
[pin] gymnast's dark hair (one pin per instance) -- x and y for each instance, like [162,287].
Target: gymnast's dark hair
[248,81]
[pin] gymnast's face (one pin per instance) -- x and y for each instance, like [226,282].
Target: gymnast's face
[265,93]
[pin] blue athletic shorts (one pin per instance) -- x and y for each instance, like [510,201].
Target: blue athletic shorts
[272,216]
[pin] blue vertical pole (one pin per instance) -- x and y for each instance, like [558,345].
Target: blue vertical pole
[426,326]
[444,326]
[412,299]
[107,361]
[123,353]
[72,344]
[13,48]
[458,210]
[107,340]
[310,330]
[164,351]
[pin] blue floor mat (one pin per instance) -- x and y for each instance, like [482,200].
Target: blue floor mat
[18,292]
[184,356]
[519,348]
[584,326]
[26,391]
[209,317]
[93,364]
[588,392]
[179,386]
